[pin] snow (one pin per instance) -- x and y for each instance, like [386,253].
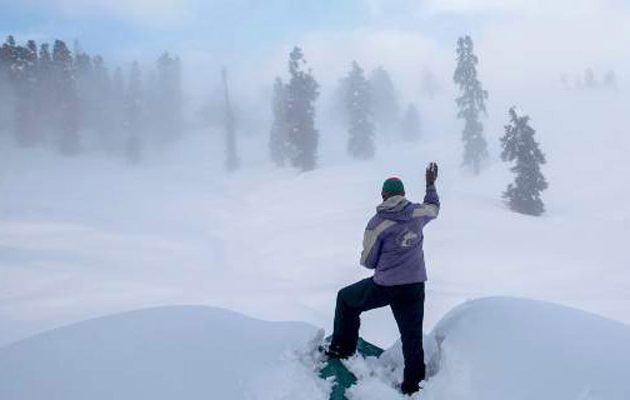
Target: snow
[508,348]
[186,352]
[89,236]
[490,349]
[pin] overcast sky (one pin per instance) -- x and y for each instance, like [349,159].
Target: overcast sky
[519,40]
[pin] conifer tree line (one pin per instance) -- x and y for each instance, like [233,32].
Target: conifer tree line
[69,99]
[51,96]
[366,105]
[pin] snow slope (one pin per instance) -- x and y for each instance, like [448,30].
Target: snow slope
[517,349]
[86,237]
[487,349]
[179,352]
[501,348]
[90,236]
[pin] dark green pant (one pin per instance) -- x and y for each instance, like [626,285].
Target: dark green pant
[407,304]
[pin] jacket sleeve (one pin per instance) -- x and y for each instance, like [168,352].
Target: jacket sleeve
[430,208]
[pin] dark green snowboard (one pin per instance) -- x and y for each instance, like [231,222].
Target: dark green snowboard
[343,378]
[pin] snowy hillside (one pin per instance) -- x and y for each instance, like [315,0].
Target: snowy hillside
[507,348]
[90,236]
[182,352]
[490,349]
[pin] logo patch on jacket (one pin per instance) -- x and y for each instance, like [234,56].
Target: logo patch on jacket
[408,239]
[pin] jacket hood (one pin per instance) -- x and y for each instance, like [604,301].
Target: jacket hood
[395,208]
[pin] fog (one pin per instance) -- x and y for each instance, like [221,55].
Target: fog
[114,191]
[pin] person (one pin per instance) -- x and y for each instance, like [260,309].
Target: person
[392,247]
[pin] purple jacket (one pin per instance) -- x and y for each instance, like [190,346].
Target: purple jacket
[392,244]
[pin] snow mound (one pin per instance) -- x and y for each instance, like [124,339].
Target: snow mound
[487,349]
[506,348]
[179,352]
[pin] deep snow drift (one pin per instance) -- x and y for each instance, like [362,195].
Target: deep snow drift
[490,349]
[518,349]
[180,352]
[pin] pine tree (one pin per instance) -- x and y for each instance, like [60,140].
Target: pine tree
[231,160]
[25,85]
[46,98]
[84,70]
[302,91]
[66,102]
[278,136]
[102,100]
[385,104]
[519,145]
[410,128]
[358,106]
[117,134]
[6,92]
[471,103]
[610,80]
[164,97]
[134,114]
[7,55]
[589,79]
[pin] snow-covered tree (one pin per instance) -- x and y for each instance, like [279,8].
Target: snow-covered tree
[6,92]
[471,103]
[231,158]
[410,128]
[46,92]
[54,94]
[102,99]
[116,118]
[610,80]
[278,135]
[134,114]
[25,84]
[385,103]
[66,102]
[164,97]
[302,92]
[358,106]
[589,79]
[86,92]
[519,145]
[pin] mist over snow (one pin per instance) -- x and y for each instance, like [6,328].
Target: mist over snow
[115,193]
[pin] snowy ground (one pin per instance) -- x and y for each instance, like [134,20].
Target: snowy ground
[180,352]
[506,348]
[484,349]
[89,236]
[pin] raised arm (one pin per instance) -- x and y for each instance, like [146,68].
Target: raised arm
[430,208]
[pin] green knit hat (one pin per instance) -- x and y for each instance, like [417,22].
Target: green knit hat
[393,186]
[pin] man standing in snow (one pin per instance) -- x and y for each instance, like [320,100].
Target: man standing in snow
[392,247]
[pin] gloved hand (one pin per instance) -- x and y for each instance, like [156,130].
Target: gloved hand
[431,173]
